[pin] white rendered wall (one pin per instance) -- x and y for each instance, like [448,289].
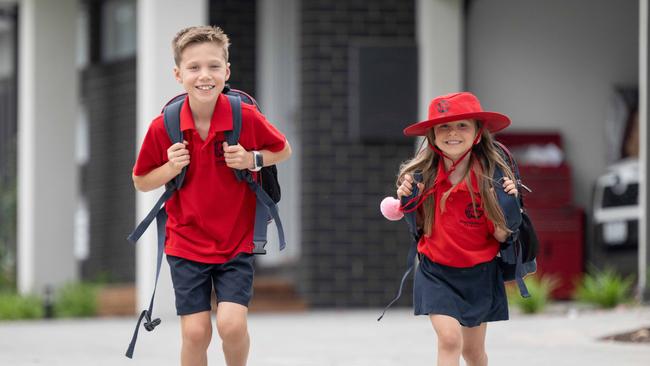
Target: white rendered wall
[47,115]
[158,22]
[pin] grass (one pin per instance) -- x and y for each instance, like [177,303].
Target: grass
[14,306]
[76,300]
[605,288]
[539,288]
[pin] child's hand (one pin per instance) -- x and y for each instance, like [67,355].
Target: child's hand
[500,234]
[406,188]
[237,157]
[509,186]
[179,156]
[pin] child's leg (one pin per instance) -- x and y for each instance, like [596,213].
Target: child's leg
[474,345]
[233,330]
[450,339]
[196,331]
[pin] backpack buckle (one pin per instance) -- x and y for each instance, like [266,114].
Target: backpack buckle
[259,247]
[151,325]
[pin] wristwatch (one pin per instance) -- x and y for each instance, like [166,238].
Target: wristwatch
[258,161]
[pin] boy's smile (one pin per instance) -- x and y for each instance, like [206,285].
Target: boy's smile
[203,71]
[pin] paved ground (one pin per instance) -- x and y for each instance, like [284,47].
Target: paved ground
[335,338]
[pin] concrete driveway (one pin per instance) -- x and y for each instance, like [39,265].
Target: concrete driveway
[335,338]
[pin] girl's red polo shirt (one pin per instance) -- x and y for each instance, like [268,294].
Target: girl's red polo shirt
[211,217]
[459,237]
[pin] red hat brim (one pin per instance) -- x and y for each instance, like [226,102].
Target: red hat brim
[493,121]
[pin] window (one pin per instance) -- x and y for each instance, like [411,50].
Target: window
[82,36]
[6,48]
[119,28]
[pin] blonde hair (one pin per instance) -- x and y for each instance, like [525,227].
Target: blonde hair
[199,34]
[483,162]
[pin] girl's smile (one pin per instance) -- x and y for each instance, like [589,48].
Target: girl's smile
[455,138]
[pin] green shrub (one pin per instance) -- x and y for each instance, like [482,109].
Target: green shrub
[604,288]
[7,234]
[7,272]
[539,288]
[76,300]
[14,306]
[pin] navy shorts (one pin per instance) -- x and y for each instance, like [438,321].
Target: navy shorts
[193,282]
[471,295]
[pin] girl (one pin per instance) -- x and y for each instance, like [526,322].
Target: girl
[458,283]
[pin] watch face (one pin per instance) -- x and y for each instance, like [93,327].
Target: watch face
[259,160]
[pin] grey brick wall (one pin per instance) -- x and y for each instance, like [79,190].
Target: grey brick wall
[8,129]
[352,256]
[9,97]
[108,92]
[238,19]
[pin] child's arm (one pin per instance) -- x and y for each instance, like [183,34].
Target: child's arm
[178,156]
[238,158]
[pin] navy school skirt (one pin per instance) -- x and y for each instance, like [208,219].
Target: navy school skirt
[471,295]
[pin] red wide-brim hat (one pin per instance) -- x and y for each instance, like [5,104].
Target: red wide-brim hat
[456,107]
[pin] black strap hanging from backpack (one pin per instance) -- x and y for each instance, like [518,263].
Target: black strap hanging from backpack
[171,114]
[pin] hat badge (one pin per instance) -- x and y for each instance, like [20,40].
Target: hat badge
[442,106]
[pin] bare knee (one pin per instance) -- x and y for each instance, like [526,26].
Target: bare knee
[449,341]
[474,355]
[197,334]
[232,330]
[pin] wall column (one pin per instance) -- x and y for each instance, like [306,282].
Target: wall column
[644,155]
[278,65]
[47,116]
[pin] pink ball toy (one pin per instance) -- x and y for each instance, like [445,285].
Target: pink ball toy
[390,208]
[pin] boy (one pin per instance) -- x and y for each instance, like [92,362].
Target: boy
[210,226]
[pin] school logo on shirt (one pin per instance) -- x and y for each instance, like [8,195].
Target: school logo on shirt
[218,150]
[473,214]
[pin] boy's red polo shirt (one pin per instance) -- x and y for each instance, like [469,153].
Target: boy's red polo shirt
[460,237]
[211,218]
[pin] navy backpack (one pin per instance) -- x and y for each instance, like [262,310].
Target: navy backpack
[267,191]
[517,257]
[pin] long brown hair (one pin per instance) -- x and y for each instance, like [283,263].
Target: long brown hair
[483,161]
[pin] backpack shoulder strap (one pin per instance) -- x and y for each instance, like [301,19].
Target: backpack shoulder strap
[235,104]
[510,205]
[172,119]
[232,137]
[507,155]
